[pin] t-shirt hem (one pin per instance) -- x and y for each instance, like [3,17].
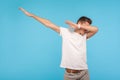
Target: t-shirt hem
[75,68]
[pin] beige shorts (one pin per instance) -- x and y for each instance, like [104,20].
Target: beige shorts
[83,75]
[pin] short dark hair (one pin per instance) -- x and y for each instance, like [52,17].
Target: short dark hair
[84,19]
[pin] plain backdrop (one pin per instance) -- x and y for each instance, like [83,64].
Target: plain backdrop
[30,51]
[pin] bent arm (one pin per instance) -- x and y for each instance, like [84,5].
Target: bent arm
[45,22]
[71,24]
[91,30]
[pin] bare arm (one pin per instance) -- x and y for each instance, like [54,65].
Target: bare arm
[92,30]
[71,24]
[45,22]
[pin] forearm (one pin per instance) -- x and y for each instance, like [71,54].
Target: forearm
[45,22]
[90,28]
[41,20]
[71,24]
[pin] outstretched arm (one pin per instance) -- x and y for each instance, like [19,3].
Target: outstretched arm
[45,22]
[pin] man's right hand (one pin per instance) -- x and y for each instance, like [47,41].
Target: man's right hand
[25,12]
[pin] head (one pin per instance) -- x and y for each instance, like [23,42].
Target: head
[84,20]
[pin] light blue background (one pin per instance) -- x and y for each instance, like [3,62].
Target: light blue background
[30,51]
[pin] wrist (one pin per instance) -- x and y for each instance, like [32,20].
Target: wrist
[79,26]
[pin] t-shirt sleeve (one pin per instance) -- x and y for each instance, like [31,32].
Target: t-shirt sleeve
[63,31]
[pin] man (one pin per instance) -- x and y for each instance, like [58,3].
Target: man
[73,45]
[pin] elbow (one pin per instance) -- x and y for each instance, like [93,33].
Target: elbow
[47,23]
[95,30]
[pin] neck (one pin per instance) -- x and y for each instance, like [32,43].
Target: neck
[80,31]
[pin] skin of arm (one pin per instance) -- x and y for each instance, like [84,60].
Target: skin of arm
[91,30]
[45,22]
[71,24]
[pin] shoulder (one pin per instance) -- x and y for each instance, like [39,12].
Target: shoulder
[64,31]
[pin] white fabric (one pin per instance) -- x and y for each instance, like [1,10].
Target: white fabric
[73,50]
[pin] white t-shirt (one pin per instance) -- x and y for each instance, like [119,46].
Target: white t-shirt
[73,50]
